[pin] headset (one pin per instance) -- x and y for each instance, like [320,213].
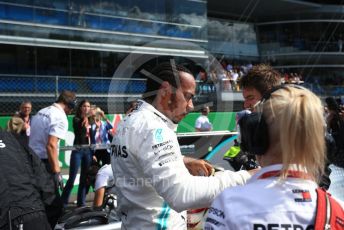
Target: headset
[254,129]
[68,98]
[72,104]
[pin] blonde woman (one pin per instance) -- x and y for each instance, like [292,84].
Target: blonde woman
[283,194]
[15,125]
[100,135]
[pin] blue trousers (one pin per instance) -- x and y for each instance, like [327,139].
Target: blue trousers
[81,157]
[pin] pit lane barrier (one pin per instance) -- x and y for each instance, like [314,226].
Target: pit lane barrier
[179,136]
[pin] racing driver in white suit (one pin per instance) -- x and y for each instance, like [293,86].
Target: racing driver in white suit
[152,178]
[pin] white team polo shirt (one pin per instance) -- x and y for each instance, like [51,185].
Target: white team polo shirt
[104,177]
[52,121]
[266,203]
[203,123]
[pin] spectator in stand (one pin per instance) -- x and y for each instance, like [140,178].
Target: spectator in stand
[223,81]
[234,79]
[25,114]
[48,126]
[80,157]
[226,81]
[202,123]
[213,79]
[209,84]
[202,80]
[287,78]
[340,43]
[100,135]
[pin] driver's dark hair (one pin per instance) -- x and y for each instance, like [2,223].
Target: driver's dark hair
[163,72]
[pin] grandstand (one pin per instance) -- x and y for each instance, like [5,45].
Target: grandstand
[294,36]
[47,46]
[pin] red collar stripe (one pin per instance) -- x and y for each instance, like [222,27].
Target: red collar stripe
[291,174]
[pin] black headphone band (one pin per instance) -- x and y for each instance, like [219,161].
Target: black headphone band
[72,104]
[268,94]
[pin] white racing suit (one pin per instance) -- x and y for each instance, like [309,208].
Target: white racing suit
[266,202]
[154,186]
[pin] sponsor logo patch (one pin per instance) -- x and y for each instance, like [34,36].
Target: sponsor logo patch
[119,151]
[165,148]
[339,221]
[158,135]
[273,226]
[214,222]
[305,195]
[217,212]
[154,147]
[166,155]
[168,160]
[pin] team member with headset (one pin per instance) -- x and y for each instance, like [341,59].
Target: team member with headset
[153,181]
[260,79]
[257,82]
[48,126]
[286,132]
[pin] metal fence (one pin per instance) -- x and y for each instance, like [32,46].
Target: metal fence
[43,90]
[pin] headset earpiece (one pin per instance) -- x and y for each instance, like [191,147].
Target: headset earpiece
[254,134]
[72,104]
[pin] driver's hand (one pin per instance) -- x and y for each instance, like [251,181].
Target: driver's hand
[198,167]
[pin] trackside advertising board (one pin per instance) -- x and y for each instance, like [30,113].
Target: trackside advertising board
[220,121]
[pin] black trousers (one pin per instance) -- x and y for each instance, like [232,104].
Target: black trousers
[55,209]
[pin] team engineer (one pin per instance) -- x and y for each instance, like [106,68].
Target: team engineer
[153,184]
[48,126]
[260,80]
